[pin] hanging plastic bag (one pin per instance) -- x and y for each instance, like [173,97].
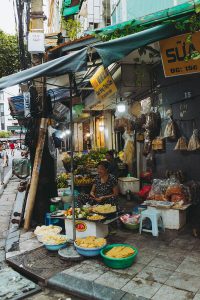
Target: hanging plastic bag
[171,130]
[194,142]
[153,124]
[181,144]
[146,106]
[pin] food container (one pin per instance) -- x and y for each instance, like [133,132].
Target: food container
[55,247]
[52,245]
[118,263]
[130,221]
[128,184]
[131,226]
[40,236]
[89,252]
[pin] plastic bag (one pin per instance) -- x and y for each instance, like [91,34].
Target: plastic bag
[146,106]
[153,124]
[181,144]
[194,142]
[171,130]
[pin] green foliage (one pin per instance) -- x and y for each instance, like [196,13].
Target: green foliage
[120,32]
[192,25]
[72,27]
[5,134]
[62,181]
[9,54]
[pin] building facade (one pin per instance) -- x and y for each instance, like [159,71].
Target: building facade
[7,123]
[124,10]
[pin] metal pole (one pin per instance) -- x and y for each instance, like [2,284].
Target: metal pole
[72,155]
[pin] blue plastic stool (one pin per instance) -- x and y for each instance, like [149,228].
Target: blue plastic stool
[156,220]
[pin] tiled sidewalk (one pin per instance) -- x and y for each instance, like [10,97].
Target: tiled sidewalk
[167,267]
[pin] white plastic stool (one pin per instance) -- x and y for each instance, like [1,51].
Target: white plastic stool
[156,219]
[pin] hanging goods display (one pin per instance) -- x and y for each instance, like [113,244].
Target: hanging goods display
[171,130]
[194,142]
[158,144]
[181,144]
[153,124]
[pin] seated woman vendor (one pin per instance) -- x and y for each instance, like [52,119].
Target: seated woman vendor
[104,189]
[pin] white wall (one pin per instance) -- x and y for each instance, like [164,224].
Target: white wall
[7,93]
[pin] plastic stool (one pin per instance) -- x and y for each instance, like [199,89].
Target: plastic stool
[156,219]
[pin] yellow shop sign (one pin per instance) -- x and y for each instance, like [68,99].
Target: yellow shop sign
[174,51]
[103,84]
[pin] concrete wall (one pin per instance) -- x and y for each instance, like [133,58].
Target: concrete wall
[173,90]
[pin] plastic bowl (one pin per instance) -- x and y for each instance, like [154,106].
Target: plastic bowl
[88,251]
[41,235]
[55,247]
[131,226]
[118,263]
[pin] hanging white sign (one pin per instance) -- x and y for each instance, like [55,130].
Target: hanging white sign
[36,42]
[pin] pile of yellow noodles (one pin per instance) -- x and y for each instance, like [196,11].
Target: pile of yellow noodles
[120,252]
[90,242]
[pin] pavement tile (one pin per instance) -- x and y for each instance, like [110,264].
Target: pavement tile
[172,251]
[132,271]
[26,236]
[128,296]
[193,255]
[154,274]
[142,287]
[2,256]
[30,245]
[12,244]
[170,293]
[2,243]
[183,244]
[85,271]
[145,256]
[12,284]
[13,234]
[165,262]
[190,266]
[13,253]
[113,280]
[184,281]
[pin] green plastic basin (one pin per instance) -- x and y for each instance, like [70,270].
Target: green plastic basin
[131,226]
[118,263]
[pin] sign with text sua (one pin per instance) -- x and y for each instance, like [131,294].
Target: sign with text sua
[174,52]
[103,84]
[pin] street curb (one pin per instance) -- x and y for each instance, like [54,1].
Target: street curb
[88,290]
[6,180]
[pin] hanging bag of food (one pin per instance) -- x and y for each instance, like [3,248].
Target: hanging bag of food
[171,130]
[181,144]
[194,142]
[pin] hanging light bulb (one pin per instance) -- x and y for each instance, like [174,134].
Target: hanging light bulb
[121,107]
[101,127]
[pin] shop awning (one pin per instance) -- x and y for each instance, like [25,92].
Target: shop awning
[74,62]
[115,50]
[172,13]
[109,52]
[71,7]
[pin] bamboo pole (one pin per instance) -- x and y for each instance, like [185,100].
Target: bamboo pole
[35,174]
[72,156]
